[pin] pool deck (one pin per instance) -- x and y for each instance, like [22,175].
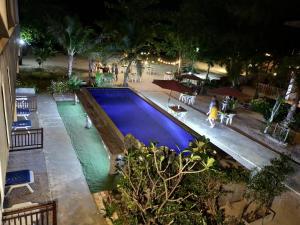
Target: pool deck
[66,179]
[249,153]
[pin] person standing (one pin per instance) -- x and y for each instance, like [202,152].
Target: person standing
[116,71]
[212,103]
[213,111]
[213,116]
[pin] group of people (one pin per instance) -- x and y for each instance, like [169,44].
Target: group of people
[228,105]
[98,67]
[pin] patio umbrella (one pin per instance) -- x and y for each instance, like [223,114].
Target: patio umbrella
[172,85]
[228,91]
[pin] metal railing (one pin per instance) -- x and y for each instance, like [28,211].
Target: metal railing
[269,90]
[26,103]
[42,214]
[26,139]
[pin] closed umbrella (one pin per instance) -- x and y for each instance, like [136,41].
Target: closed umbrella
[172,85]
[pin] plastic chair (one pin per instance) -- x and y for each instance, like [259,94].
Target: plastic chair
[229,118]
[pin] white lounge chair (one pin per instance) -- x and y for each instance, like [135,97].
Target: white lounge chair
[20,178]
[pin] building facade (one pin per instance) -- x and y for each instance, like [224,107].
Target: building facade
[9,50]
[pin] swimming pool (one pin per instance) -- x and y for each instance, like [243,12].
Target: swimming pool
[133,115]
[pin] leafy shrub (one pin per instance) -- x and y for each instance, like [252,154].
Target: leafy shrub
[59,87]
[160,186]
[261,106]
[74,83]
[103,79]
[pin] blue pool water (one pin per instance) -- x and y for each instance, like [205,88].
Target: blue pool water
[132,115]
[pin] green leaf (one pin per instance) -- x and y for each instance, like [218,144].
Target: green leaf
[210,162]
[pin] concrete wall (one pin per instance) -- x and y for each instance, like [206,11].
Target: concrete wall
[8,68]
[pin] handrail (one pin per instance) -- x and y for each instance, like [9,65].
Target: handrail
[41,214]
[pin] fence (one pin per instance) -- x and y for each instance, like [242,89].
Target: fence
[26,103]
[43,214]
[26,139]
[269,90]
[281,134]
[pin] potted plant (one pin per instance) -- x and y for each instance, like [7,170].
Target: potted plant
[59,90]
[73,85]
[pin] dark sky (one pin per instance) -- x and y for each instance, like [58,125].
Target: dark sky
[88,11]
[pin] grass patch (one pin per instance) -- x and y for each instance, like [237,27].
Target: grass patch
[40,78]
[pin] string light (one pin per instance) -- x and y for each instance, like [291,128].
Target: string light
[168,63]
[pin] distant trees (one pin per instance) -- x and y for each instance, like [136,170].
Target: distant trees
[73,37]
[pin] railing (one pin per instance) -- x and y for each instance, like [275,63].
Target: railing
[26,103]
[269,90]
[281,134]
[43,214]
[26,139]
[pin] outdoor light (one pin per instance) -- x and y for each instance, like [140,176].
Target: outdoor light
[268,54]
[21,42]
[274,74]
[197,49]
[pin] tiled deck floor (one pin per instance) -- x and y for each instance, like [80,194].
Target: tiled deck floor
[66,180]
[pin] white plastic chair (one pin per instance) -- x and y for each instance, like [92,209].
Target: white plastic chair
[229,118]
[191,100]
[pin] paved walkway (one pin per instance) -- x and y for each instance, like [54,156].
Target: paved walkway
[249,153]
[66,180]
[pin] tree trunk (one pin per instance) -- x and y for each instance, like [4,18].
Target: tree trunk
[203,84]
[234,67]
[208,70]
[70,65]
[256,93]
[179,63]
[127,73]
[139,68]
[291,113]
[90,69]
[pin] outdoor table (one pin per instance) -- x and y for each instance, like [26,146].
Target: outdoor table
[177,108]
[168,76]
[178,111]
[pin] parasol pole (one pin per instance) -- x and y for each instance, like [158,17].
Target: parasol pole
[169,97]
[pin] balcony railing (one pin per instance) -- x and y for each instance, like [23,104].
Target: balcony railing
[26,139]
[42,214]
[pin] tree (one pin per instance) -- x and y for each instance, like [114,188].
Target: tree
[264,185]
[151,183]
[290,65]
[134,34]
[73,37]
[43,52]
[161,186]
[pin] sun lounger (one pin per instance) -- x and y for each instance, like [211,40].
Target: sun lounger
[20,178]
[23,112]
[21,124]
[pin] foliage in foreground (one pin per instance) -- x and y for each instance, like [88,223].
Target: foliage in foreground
[159,186]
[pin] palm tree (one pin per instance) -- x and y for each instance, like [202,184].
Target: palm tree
[73,37]
[132,39]
[291,65]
